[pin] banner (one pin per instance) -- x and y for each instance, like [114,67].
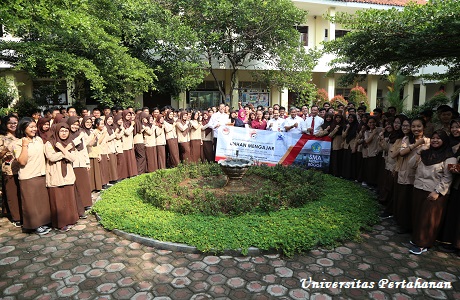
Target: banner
[272,147]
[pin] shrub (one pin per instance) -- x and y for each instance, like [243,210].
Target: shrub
[338,99]
[338,215]
[198,189]
[358,96]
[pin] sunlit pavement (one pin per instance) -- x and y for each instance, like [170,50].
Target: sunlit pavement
[89,262]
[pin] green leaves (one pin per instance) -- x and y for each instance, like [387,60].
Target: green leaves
[340,213]
[417,36]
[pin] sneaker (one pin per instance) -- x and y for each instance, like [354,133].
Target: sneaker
[83,217]
[16,224]
[417,250]
[65,228]
[364,184]
[88,207]
[42,230]
[385,215]
[412,243]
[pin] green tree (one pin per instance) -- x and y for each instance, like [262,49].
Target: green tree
[160,39]
[408,39]
[246,34]
[393,97]
[69,40]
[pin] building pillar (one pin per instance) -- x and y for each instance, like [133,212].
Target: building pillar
[372,85]
[331,87]
[331,34]
[422,96]
[409,95]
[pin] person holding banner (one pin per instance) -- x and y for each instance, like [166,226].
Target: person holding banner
[218,119]
[276,123]
[292,124]
[312,124]
[259,123]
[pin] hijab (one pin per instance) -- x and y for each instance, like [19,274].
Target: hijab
[83,125]
[184,122]
[74,135]
[453,141]
[328,123]
[138,125]
[206,121]
[433,155]
[167,118]
[126,123]
[353,129]
[44,135]
[110,128]
[54,139]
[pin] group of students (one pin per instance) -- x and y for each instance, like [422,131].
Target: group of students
[53,163]
[411,163]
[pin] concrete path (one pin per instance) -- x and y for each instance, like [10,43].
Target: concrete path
[89,262]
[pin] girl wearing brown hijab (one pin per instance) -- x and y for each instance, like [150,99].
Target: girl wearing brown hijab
[60,178]
[128,150]
[207,138]
[122,169]
[150,144]
[160,139]
[171,139]
[81,166]
[43,127]
[101,133]
[138,141]
[183,136]
[94,154]
[111,148]
[195,137]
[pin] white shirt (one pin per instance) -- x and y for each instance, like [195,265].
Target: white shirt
[291,121]
[218,119]
[307,124]
[277,125]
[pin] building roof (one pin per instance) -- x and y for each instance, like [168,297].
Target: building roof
[387,2]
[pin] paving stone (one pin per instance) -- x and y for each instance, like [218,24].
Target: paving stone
[164,269]
[143,296]
[124,293]
[235,282]
[92,263]
[276,290]
[180,282]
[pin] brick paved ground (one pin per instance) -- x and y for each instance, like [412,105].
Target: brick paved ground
[89,262]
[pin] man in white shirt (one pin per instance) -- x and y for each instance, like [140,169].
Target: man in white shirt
[218,119]
[292,123]
[312,124]
[275,124]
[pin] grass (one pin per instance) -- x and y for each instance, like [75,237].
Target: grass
[339,215]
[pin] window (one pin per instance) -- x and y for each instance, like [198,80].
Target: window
[201,100]
[325,35]
[254,93]
[340,33]
[303,35]
[342,91]
[205,95]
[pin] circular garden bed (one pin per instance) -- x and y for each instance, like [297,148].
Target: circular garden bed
[285,209]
